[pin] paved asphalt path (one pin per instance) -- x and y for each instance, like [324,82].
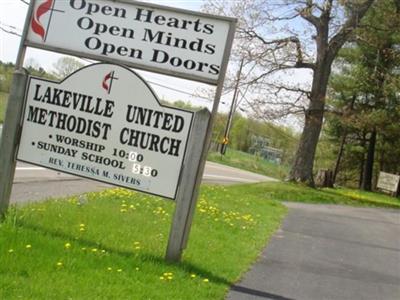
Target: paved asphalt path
[33,183]
[325,252]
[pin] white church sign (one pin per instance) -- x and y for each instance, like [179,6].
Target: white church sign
[105,123]
[177,42]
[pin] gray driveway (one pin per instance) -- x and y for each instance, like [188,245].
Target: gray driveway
[32,183]
[328,252]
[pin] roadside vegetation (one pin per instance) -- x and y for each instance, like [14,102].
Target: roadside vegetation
[110,245]
[291,192]
[249,162]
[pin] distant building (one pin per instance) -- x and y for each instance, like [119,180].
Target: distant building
[260,146]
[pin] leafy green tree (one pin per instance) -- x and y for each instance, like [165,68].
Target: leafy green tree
[65,66]
[6,71]
[279,38]
[367,91]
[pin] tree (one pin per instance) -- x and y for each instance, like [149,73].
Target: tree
[369,83]
[279,36]
[65,66]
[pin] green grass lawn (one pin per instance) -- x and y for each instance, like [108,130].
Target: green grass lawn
[291,192]
[110,245]
[252,163]
[3,105]
[300,193]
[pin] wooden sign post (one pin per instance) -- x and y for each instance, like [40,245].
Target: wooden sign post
[12,124]
[186,199]
[10,137]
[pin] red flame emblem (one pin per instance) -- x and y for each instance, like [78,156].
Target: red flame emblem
[105,84]
[41,10]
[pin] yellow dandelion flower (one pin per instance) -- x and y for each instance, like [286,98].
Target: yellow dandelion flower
[109,269]
[192,275]
[205,280]
[28,246]
[10,250]
[59,264]
[161,277]
[67,246]
[119,270]
[103,251]
[123,210]
[83,249]
[94,250]
[81,225]
[82,229]
[137,269]
[169,277]
[136,243]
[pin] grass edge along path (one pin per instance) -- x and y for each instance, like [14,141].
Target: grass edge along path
[297,192]
[111,244]
[292,192]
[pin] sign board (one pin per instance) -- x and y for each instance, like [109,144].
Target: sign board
[105,123]
[388,182]
[161,39]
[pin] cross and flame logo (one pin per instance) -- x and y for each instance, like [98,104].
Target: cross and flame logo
[108,81]
[36,23]
[37,26]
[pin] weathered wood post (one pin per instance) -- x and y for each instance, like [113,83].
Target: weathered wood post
[10,137]
[179,233]
[189,188]
[12,123]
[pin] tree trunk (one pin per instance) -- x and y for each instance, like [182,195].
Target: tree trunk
[343,141]
[369,163]
[302,168]
[362,160]
[326,49]
[360,178]
[339,157]
[304,160]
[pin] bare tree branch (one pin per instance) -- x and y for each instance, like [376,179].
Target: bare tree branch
[352,22]
[306,14]
[279,43]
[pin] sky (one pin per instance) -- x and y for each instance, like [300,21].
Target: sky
[12,18]
[13,13]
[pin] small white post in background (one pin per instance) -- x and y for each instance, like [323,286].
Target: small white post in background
[186,199]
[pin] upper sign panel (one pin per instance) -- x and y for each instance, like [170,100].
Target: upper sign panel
[155,38]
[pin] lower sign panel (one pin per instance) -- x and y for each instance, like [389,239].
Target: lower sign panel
[105,123]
